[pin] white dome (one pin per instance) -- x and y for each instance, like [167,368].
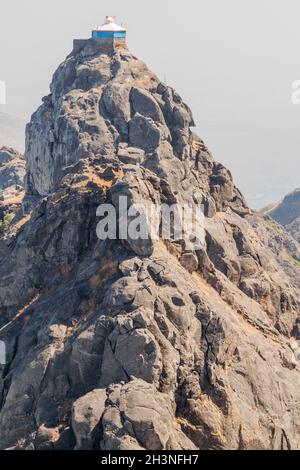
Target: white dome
[110,25]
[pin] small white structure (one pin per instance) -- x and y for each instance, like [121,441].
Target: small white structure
[109,30]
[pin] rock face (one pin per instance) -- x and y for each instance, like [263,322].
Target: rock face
[132,344]
[287,213]
[12,173]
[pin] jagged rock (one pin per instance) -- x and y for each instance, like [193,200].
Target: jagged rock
[140,344]
[6,155]
[116,101]
[12,173]
[189,261]
[86,414]
[131,353]
[144,133]
[139,417]
[143,103]
[131,155]
[46,438]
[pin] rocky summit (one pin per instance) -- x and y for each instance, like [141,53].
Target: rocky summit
[140,344]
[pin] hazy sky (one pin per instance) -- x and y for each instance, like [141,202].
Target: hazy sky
[233,62]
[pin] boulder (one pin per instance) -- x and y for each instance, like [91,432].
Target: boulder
[86,415]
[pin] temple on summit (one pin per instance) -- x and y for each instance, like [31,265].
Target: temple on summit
[106,37]
[109,30]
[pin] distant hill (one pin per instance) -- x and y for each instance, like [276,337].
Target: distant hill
[12,132]
[287,213]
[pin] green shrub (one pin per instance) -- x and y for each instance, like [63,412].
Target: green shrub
[274,226]
[5,223]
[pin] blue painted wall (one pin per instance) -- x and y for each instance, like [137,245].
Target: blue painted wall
[108,34]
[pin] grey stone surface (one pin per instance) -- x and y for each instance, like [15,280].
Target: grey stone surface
[144,133]
[140,344]
[12,173]
[86,414]
[139,417]
[143,103]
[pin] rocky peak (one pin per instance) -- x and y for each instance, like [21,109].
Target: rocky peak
[127,344]
[101,104]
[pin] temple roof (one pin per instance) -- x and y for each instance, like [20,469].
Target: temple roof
[110,25]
